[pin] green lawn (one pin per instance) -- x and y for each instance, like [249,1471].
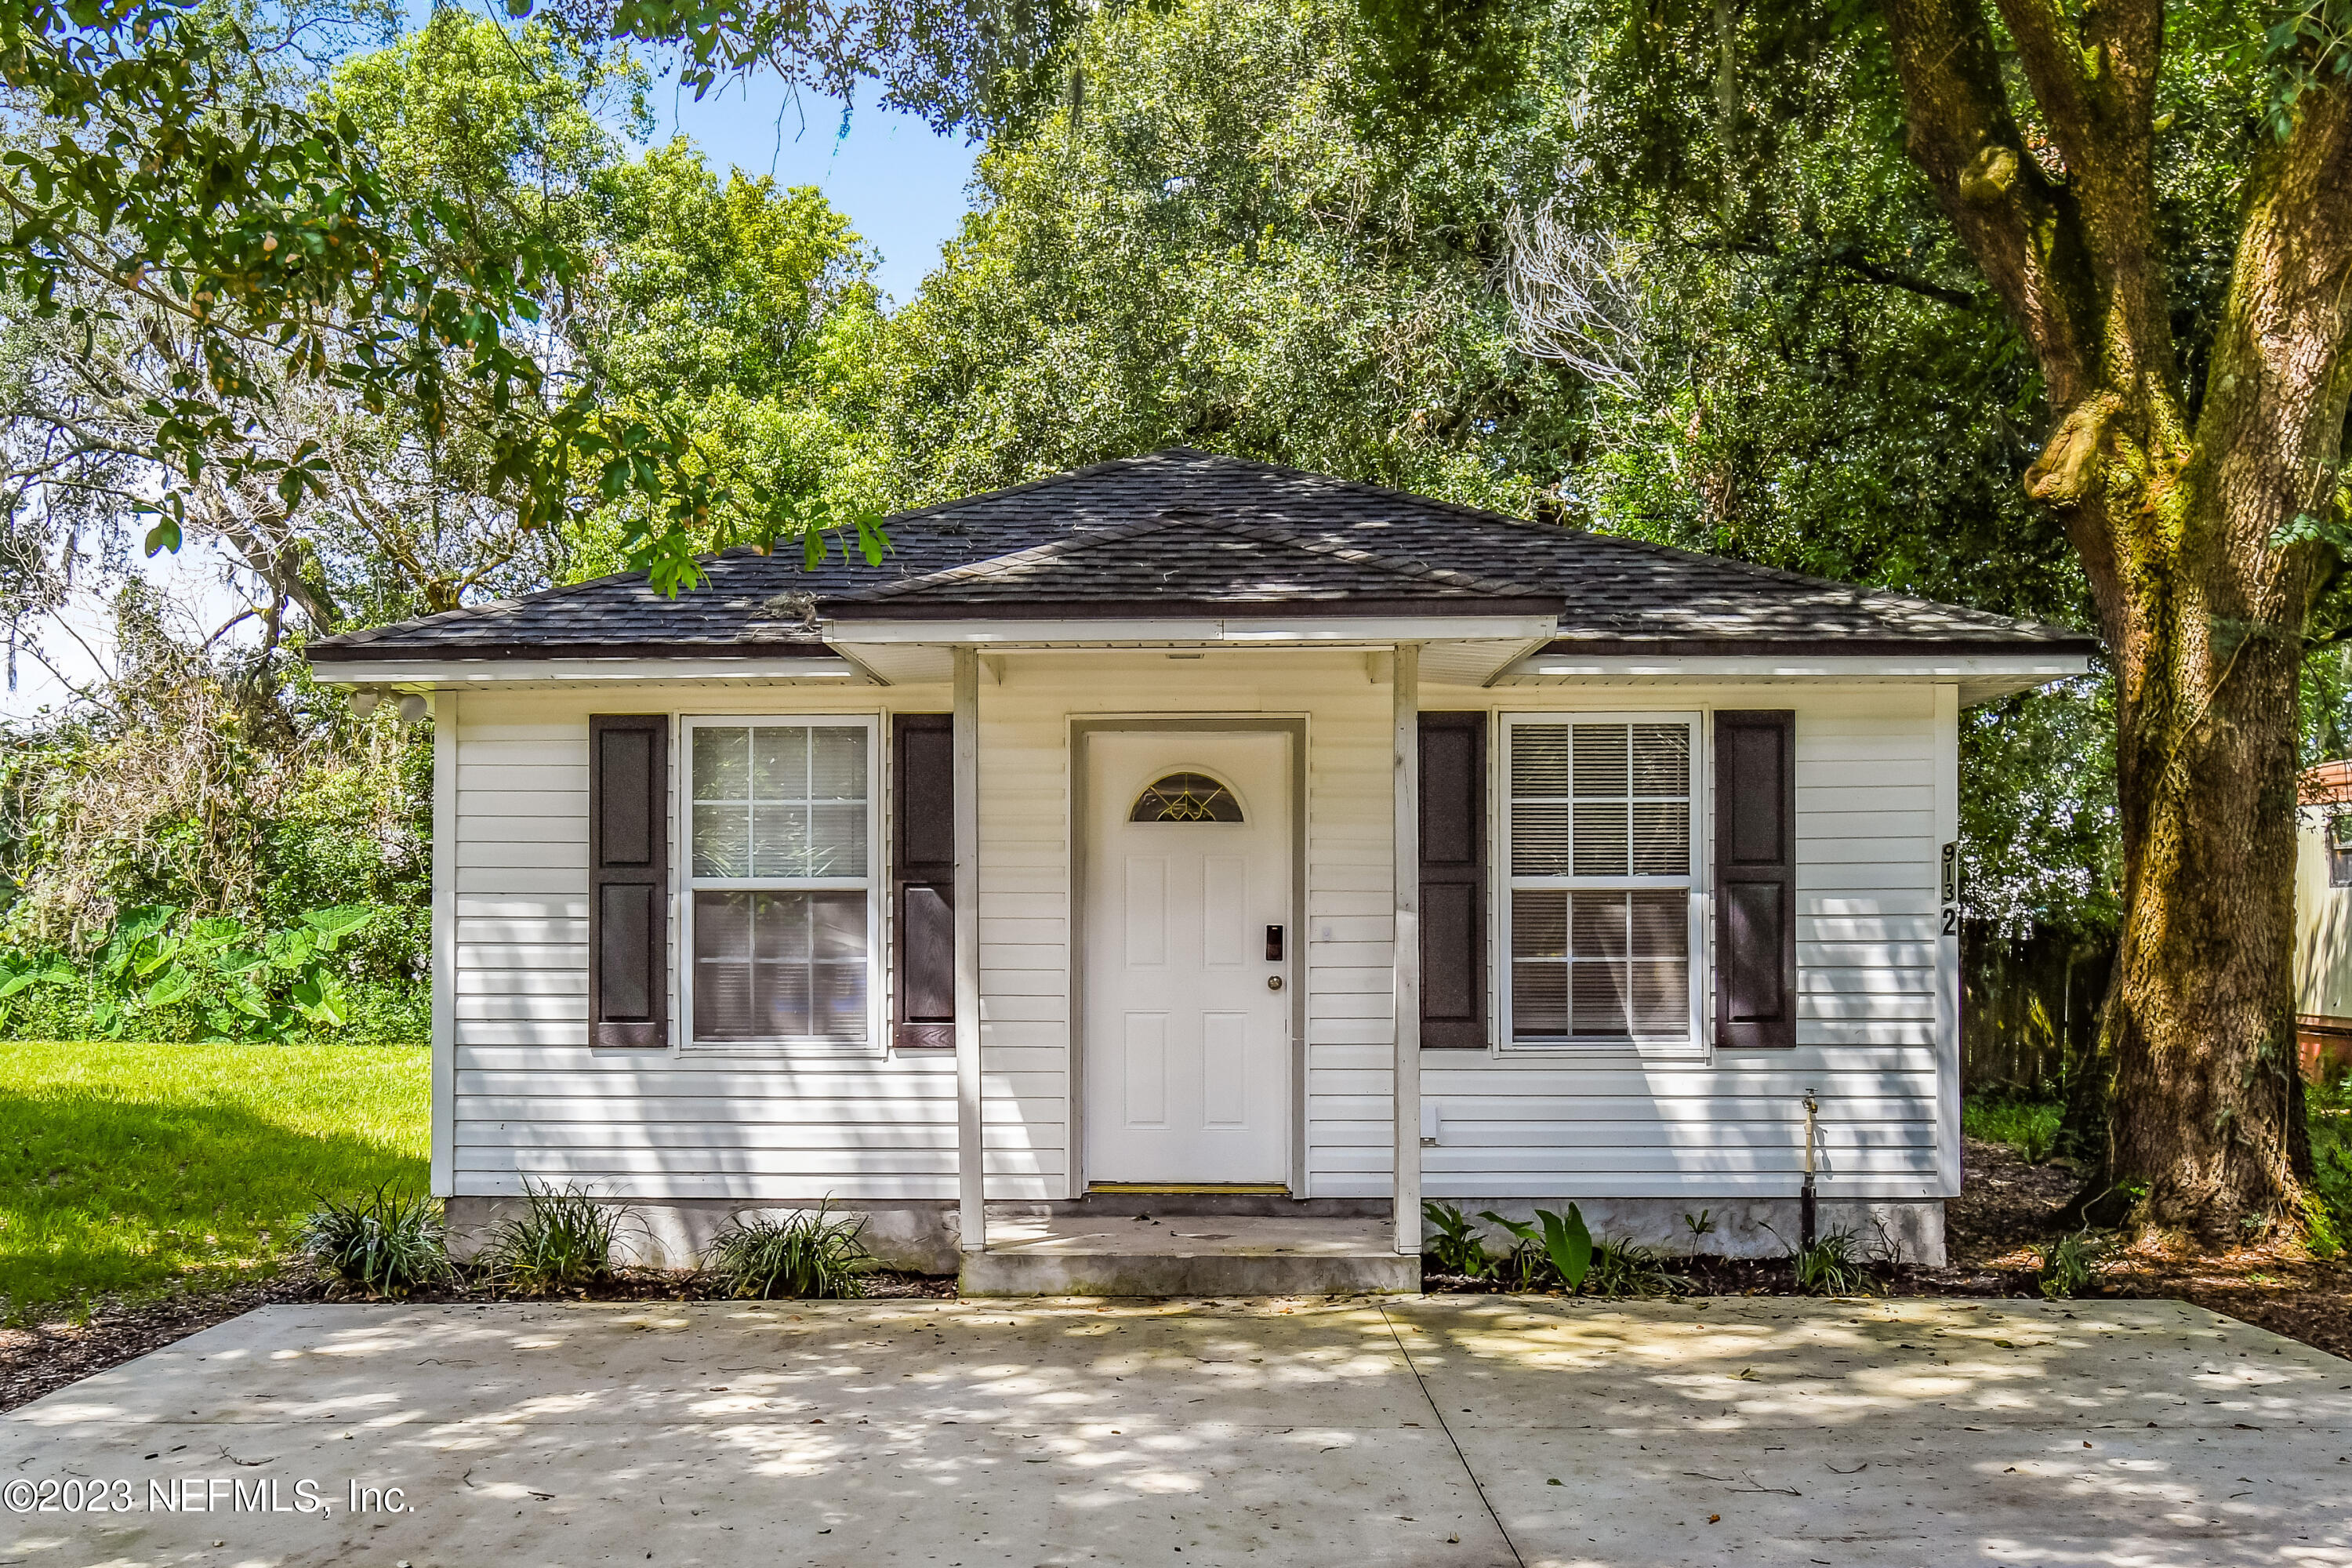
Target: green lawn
[133,1169]
[2029,1126]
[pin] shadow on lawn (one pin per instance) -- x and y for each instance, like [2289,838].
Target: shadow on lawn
[101,1195]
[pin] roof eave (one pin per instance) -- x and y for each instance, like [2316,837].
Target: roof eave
[1828,645]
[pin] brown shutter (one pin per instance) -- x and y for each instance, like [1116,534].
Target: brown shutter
[628,879]
[1454,881]
[1755,880]
[923,880]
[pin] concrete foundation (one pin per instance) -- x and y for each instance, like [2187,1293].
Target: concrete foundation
[675,1233]
[920,1236]
[1744,1227]
[1208,1254]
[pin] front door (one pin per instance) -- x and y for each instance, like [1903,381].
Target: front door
[1189,940]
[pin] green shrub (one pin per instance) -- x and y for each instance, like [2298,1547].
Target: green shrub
[1836,1264]
[2029,1126]
[163,975]
[1458,1247]
[387,1244]
[1558,1250]
[563,1240]
[2330,1108]
[2068,1265]
[803,1254]
[1625,1269]
[1525,1266]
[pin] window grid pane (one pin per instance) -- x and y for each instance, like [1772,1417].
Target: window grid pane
[1594,801]
[785,965]
[781,803]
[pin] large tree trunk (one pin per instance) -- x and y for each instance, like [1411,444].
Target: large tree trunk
[2188,527]
[2200,1029]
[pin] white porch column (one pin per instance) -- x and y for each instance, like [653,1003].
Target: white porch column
[1405,684]
[970,1183]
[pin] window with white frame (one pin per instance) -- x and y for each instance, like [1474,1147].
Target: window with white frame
[1600,922]
[781,830]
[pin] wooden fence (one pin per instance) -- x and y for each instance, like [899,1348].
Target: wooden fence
[2029,1009]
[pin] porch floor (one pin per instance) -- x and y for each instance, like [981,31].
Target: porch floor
[1187,1255]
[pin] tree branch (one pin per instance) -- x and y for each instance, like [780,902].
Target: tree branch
[1854,259]
[2097,89]
[2023,231]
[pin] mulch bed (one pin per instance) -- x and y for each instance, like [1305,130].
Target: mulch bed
[45,1357]
[2006,1210]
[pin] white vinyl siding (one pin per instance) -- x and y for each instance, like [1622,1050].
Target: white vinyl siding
[528,1098]
[1731,1125]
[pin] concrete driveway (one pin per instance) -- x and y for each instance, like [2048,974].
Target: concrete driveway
[1468,1432]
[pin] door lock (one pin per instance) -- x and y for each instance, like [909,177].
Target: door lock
[1273,944]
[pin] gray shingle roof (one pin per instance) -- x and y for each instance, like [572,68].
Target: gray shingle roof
[1186,532]
[1186,557]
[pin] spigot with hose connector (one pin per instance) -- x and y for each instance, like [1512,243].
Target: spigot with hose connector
[1805,1198]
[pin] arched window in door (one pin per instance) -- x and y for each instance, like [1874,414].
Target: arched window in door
[1186,797]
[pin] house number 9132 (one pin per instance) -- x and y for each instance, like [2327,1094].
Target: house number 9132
[1952,889]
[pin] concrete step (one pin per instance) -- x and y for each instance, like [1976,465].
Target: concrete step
[1196,1255]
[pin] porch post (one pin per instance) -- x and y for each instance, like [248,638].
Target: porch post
[971,1190]
[1405,1080]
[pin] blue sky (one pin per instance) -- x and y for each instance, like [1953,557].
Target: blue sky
[902,187]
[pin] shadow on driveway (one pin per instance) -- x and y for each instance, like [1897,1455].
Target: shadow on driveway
[1461,1431]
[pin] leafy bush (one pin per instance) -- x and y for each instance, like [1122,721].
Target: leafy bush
[803,1254]
[163,974]
[1836,1264]
[1626,1268]
[2028,1126]
[1458,1247]
[1559,1250]
[1524,1265]
[2069,1265]
[563,1241]
[2329,1112]
[387,1244]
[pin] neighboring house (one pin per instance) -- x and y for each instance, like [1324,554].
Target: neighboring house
[2322,922]
[1066,853]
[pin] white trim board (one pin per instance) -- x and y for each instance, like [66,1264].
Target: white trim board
[1980,678]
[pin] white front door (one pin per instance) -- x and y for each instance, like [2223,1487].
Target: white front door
[1187,1024]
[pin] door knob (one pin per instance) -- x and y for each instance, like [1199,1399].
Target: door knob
[1274,982]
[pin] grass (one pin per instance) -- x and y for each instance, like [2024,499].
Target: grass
[2330,1108]
[2028,1126]
[132,1170]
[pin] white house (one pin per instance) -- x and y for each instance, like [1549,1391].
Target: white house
[1209,836]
